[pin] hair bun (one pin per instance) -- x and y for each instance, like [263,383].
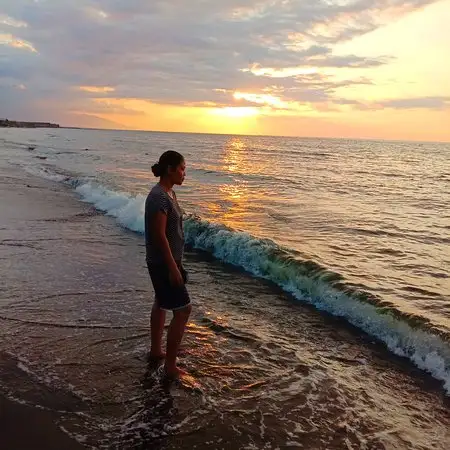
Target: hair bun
[156,169]
[169,159]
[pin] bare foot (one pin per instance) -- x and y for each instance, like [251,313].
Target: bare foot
[174,373]
[156,355]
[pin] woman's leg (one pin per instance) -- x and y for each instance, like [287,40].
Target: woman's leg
[174,338]
[157,322]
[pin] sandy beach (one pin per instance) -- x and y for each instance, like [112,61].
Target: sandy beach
[25,428]
[22,425]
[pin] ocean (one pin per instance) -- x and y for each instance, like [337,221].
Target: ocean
[320,277]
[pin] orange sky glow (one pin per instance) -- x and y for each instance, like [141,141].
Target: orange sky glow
[383,73]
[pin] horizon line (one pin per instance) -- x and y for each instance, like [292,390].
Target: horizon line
[258,135]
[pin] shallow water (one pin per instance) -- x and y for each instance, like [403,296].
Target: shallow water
[357,228]
[376,212]
[267,370]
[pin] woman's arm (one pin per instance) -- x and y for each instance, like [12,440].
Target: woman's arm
[159,223]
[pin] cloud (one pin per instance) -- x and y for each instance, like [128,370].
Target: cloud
[349,61]
[9,21]
[10,41]
[87,121]
[179,52]
[108,106]
[417,103]
[96,89]
[261,99]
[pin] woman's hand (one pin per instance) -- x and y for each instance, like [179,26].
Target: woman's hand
[175,277]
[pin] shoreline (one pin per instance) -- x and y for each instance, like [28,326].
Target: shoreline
[22,425]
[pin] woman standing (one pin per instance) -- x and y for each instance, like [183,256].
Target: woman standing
[164,240]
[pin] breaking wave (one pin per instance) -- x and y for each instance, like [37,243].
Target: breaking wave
[405,334]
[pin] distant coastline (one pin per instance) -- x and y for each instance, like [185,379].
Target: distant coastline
[5,123]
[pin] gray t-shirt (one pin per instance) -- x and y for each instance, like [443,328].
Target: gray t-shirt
[159,200]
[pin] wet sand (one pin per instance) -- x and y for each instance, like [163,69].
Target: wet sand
[267,372]
[24,427]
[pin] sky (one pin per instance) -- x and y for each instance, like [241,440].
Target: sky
[328,68]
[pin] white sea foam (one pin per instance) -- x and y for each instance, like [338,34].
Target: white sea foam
[428,351]
[128,210]
[43,172]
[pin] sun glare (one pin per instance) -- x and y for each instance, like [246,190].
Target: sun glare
[237,112]
[261,99]
[96,89]
[285,72]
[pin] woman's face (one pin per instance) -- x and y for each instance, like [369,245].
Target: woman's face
[178,174]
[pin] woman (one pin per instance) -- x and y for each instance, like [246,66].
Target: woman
[164,240]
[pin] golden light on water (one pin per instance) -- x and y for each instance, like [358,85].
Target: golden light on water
[132,173]
[234,159]
[234,192]
[236,196]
